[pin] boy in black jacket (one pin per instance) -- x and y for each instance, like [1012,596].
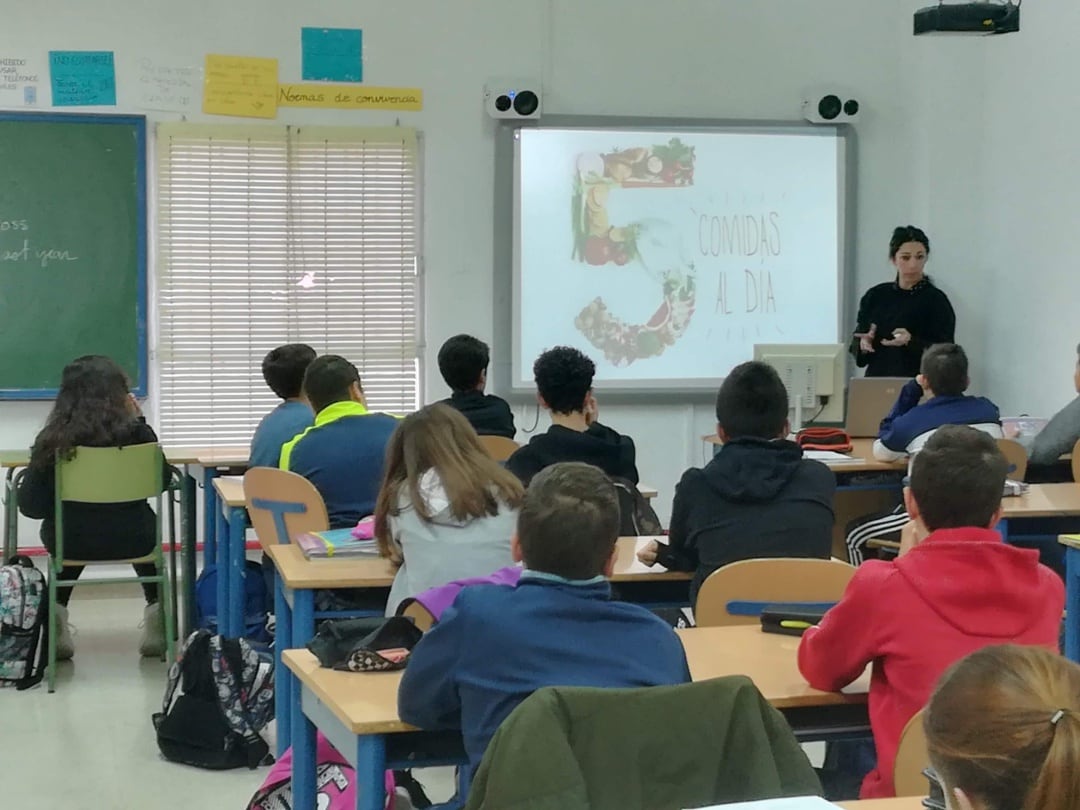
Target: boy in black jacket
[564,379]
[758,497]
[463,363]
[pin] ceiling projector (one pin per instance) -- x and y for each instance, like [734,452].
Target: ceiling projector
[968,18]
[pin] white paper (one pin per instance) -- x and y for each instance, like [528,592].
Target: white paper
[794,803]
[828,456]
[172,88]
[21,79]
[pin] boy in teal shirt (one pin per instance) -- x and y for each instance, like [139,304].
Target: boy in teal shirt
[283,369]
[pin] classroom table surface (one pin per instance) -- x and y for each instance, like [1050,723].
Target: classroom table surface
[366,703]
[230,490]
[1044,500]
[901,803]
[378,572]
[860,459]
[215,456]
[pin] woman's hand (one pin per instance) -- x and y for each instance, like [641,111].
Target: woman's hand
[866,340]
[900,337]
[648,554]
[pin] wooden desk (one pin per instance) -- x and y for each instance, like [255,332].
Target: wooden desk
[647,492]
[230,552]
[1044,500]
[357,711]
[902,803]
[862,449]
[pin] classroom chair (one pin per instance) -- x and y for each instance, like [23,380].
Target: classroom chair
[1076,462]
[282,505]
[106,475]
[499,448]
[421,616]
[911,759]
[737,593]
[1016,455]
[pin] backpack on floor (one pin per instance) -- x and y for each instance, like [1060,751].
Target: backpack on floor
[219,697]
[636,517]
[23,626]
[256,601]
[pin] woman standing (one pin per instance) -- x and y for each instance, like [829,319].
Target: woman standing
[899,319]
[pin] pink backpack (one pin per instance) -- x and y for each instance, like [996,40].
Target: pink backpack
[334,776]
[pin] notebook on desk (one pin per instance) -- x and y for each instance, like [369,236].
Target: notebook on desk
[335,544]
[869,399]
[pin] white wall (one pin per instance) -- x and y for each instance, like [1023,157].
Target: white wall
[747,59]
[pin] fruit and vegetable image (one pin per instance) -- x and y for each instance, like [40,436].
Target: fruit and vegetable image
[652,245]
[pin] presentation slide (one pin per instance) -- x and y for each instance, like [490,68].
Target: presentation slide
[665,256]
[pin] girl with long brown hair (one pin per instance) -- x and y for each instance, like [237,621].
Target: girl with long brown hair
[446,510]
[1003,731]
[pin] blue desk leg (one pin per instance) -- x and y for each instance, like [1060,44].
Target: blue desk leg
[283,676]
[1072,604]
[187,549]
[210,512]
[303,628]
[235,548]
[370,770]
[303,762]
[222,561]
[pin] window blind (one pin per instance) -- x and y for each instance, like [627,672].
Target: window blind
[271,235]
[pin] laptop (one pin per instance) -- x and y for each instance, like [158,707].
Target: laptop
[869,399]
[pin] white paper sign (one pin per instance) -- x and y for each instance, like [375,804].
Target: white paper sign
[167,87]
[20,80]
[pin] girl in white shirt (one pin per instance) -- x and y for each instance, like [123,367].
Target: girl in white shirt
[446,510]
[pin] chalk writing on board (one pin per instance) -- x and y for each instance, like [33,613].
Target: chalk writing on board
[31,253]
[240,85]
[169,87]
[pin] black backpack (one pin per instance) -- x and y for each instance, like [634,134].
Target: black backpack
[226,699]
[636,517]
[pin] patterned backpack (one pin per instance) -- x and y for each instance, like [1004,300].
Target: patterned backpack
[226,699]
[23,628]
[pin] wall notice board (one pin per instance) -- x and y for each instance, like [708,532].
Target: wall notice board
[72,247]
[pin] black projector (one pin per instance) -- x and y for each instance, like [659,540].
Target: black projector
[968,18]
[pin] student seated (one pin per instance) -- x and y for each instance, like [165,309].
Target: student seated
[909,425]
[564,387]
[463,363]
[1003,731]
[957,590]
[1056,439]
[558,627]
[93,409]
[342,453]
[283,369]
[758,497]
[446,510]
[943,380]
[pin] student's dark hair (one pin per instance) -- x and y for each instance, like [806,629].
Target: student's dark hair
[91,410]
[328,380]
[563,377]
[907,233]
[993,729]
[462,359]
[283,368]
[569,521]
[752,401]
[945,366]
[439,438]
[958,478]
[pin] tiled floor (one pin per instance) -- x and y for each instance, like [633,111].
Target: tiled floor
[91,746]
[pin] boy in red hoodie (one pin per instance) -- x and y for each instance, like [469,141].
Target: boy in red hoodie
[956,591]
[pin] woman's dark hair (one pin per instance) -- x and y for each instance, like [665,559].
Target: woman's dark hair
[91,410]
[905,234]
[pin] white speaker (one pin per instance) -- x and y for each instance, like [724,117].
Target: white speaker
[830,108]
[513,99]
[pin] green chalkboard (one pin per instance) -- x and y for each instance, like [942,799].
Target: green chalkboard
[72,247]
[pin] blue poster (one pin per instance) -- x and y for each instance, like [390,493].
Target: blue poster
[332,54]
[82,78]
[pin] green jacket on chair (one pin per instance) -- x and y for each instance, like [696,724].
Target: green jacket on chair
[658,748]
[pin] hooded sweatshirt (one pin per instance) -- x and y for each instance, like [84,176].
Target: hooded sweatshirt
[600,446]
[956,592]
[756,498]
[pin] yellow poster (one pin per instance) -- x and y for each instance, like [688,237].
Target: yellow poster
[240,85]
[350,97]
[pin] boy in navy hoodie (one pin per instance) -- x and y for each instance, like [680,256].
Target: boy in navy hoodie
[909,425]
[558,627]
[758,497]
